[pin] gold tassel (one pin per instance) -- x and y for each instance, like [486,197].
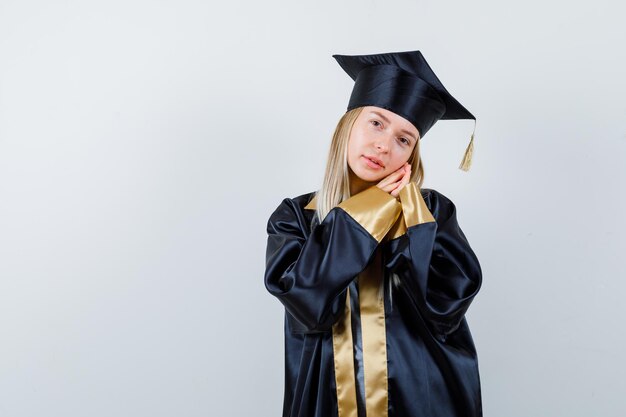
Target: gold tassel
[469,151]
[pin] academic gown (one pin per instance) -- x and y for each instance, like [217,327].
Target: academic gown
[350,352]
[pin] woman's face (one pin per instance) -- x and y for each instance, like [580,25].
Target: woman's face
[381,135]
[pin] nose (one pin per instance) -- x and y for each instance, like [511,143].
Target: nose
[382,143]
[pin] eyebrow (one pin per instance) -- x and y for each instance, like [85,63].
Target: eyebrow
[387,121]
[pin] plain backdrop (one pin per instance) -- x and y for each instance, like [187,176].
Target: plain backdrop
[144,144]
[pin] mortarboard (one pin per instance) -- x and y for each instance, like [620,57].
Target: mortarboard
[404,83]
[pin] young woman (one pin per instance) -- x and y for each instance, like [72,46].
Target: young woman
[374,272]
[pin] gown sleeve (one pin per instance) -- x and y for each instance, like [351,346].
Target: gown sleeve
[434,260]
[310,272]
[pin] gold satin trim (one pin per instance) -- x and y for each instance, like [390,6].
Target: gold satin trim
[414,211]
[397,230]
[374,339]
[414,207]
[343,353]
[374,209]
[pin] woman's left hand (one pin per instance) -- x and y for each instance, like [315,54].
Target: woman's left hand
[403,181]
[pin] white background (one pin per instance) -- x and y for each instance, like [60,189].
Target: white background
[144,144]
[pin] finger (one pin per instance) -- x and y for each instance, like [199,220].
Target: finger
[405,180]
[393,181]
[389,181]
[398,186]
[390,187]
[393,176]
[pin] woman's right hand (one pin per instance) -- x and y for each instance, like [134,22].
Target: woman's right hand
[394,182]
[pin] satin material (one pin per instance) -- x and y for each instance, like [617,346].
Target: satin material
[414,211]
[372,311]
[344,364]
[377,222]
[374,209]
[358,346]
[399,91]
[432,367]
[372,364]
[404,83]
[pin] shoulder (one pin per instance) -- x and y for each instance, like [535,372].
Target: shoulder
[303,199]
[435,195]
[298,202]
[440,205]
[290,212]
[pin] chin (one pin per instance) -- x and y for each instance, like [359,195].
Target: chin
[369,176]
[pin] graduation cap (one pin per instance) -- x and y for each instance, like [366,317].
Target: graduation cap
[404,83]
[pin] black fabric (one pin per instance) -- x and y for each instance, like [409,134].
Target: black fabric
[355,321]
[432,361]
[404,83]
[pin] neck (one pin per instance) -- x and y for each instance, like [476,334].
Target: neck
[357,184]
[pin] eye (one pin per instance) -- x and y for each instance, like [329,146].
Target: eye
[375,122]
[406,141]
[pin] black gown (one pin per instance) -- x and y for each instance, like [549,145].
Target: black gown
[350,352]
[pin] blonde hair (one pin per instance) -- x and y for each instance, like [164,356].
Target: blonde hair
[336,184]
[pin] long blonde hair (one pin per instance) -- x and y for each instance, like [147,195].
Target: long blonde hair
[336,184]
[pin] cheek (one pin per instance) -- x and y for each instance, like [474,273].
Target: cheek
[399,158]
[354,146]
[350,150]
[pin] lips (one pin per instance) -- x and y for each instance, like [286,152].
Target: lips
[375,160]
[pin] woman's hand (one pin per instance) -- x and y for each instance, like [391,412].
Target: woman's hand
[394,182]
